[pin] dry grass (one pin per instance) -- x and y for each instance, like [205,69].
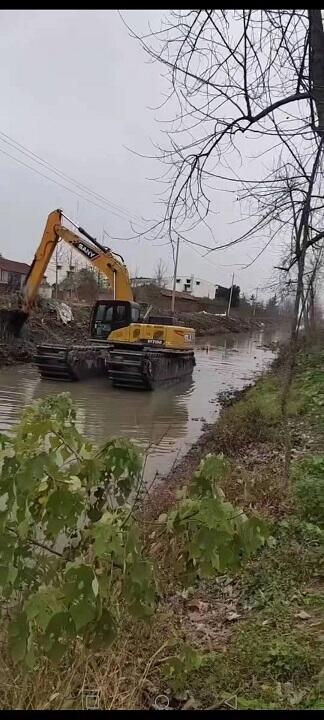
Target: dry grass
[124,677]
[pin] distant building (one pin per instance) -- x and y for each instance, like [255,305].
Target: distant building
[140,281]
[45,291]
[193,285]
[12,274]
[224,293]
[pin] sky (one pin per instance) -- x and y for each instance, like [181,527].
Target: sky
[79,92]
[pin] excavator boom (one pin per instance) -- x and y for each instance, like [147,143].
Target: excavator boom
[101,258]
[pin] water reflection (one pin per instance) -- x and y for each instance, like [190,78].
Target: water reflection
[109,411]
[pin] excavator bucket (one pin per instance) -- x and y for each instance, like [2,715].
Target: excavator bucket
[11,322]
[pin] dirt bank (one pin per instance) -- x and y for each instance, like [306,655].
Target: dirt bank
[209,324]
[44,326]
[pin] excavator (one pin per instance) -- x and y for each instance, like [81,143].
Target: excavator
[131,350]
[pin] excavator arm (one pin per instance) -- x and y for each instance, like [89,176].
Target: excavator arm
[101,258]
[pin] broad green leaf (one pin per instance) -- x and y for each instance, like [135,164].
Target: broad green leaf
[104,631]
[43,605]
[58,635]
[108,537]
[18,632]
[63,510]
[140,590]
[78,589]
[212,469]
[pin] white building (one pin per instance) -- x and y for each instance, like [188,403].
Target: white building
[193,285]
[45,290]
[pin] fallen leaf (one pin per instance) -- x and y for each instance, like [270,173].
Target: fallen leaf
[303,615]
[232,616]
[199,605]
[54,696]
[297,697]
[191,704]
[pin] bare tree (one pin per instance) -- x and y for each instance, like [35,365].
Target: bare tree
[235,74]
[160,273]
[288,205]
[238,77]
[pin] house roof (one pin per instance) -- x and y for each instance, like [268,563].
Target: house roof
[13,266]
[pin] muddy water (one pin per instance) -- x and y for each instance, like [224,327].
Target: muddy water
[168,420]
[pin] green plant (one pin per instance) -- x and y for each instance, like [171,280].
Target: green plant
[253,419]
[308,488]
[178,667]
[287,657]
[214,535]
[289,560]
[71,550]
[67,551]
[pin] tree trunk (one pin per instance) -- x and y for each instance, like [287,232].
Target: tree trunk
[312,307]
[305,311]
[317,64]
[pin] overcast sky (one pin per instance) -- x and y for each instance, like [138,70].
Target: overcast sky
[77,91]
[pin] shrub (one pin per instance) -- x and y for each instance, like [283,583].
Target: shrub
[72,559]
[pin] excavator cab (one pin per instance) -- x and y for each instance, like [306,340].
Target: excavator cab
[109,315]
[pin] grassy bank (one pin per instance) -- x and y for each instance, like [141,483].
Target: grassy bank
[252,639]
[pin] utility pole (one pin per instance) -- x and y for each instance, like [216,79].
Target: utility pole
[56,271]
[230,297]
[175,277]
[255,301]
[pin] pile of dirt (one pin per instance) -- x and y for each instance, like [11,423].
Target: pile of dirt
[42,327]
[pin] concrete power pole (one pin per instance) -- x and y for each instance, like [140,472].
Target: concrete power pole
[175,277]
[230,297]
[255,300]
[56,271]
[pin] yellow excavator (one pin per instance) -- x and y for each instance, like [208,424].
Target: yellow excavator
[132,351]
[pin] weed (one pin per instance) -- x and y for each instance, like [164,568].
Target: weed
[254,418]
[259,660]
[291,562]
[308,488]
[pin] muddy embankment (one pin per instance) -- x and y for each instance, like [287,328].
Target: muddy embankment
[45,326]
[207,324]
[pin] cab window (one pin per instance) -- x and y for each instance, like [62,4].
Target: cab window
[135,314]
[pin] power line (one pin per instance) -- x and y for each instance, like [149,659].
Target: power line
[113,207]
[26,151]
[56,182]
[53,181]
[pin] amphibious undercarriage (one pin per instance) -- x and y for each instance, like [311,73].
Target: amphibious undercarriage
[137,365]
